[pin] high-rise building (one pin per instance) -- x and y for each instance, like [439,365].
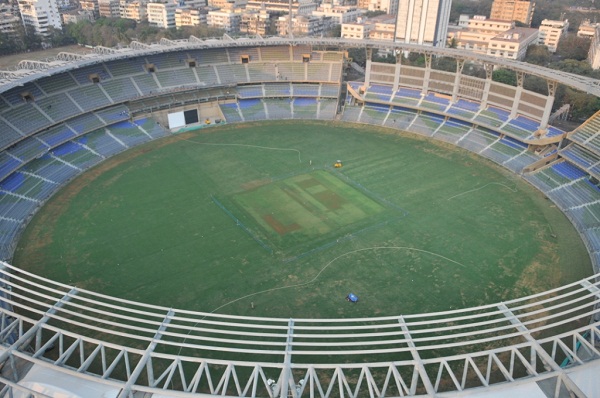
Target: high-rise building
[40,14]
[513,10]
[423,22]
[161,15]
[109,8]
[135,10]
[551,32]
[389,6]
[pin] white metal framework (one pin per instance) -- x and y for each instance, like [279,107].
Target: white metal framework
[542,339]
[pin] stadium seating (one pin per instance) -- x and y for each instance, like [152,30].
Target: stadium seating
[275,53]
[231,112]
[58,107]
[251,91]
[125,67]
[89,98]
[452,131]
[82,75]
[426,124]
[27,118]
[56,135]
[56,83]
[434,102]
[120,89]
[128,133]
[146,83]
[102,143]
[183,77]
[9,135]
[327,109]
[15,97]
[28,149]
[380,93]
[277,90]
[304,108]
[252,109]
[374,114]
[278,108]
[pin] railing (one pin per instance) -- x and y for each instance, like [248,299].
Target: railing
[151,349]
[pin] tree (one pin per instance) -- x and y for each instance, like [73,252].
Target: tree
[538,54]
[505,76]
[573,47]
[31,39]
[334,31]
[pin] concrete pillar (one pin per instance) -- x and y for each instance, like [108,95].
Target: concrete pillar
[398,71]
[549,104]
[515,108]
[427,75]
[460,64]
[489,69]
[368,67]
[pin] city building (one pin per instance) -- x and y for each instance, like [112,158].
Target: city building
[186,16]
[384,28]
[109,8]
[389,6]
[161,15]
[594,51]
[227,20]
[135,10]
[475,33]
[513,43]
[255,22]
[300,7]
[551,33]
[90,6]
[303,25]
[75,16]
[513,10]
[41,15]
[9,22]
[587,29]
[423,22]
[338,14]
[380,27]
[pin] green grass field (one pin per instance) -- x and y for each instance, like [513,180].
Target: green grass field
[254,213]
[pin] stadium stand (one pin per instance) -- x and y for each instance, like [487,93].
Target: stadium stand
[183,77]
[231,112]
[261,72]
[304,108]
[128,133]
[278,109]
[28,149]
[83,75]
[58,107]
[102,143]
[277,90]
[89,97]
[125,67]
[120,89]
[56,135]
[56,83]
[145,83]
[9,135]
[250,91]
[252,109]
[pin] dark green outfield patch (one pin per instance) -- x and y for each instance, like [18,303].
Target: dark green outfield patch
[408,225]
